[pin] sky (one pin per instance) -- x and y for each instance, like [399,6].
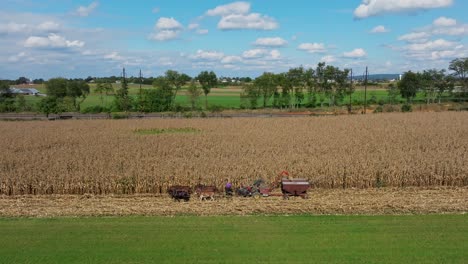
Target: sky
[76,39]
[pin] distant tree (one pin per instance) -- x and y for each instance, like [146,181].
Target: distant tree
[177,80]
[409,85]
[193,92]
[123,101]
[22,80]
[158,99]
[207,80]
[56,87]
[77,90]
[50,105]
[266,85]
[103,88]
[460,69]
[251,93]
[38,81]
[6,98]
[393,93]
[21,103]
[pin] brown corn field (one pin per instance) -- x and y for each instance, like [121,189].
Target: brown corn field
[110,157]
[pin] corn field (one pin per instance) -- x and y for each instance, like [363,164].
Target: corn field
[110,157]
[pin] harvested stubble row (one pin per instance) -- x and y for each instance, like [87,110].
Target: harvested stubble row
[103,157]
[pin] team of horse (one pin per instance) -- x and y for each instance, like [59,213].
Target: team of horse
[204,192]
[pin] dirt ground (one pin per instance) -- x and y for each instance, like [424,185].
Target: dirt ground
[322,201]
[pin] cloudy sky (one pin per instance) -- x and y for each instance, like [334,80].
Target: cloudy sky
[68,38]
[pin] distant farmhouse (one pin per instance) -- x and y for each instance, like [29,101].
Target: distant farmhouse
[20,89]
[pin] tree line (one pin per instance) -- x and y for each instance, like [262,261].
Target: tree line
[324,85]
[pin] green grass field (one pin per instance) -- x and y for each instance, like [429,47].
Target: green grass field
[228,239]
[224,97]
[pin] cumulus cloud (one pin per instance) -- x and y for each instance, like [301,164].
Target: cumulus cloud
[17,57]
[328,59]
[237,15]
[52,41]
[444,22]
[202,31]
[231,59]
[313,47]
[168,23]
[254,53]
[355,54]
[439,44]
[164,35]
[370,8]
[379,29]
[208,55]
[166,28]
[229,9]
[415,37]
[249,21]
[13,27]
[271,42]
[84,11]
[193,26]
[113,56]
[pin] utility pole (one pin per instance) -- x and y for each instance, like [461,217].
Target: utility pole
[365,91]
[141,80]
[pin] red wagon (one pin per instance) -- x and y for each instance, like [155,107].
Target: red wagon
[294,187]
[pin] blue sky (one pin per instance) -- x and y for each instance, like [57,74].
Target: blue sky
[44,39]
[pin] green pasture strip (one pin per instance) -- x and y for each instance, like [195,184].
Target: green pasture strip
[233,239]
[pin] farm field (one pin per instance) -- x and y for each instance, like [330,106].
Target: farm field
[109,157]
[226,97]
[258,239]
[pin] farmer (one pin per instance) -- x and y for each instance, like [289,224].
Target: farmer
[228,189]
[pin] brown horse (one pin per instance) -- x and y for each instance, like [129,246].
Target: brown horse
[178,192]
[204,192]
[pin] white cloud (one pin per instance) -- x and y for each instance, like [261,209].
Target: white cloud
[84,11]
[231,59]
[275,54]
[370,8]
[13,28]
[52,41]
[328,59]
[255,53]
[193,26]
[355,54]
[379,29]
[49,26]
[313,47]
[165,35]
[415,37]
[17,57]
[249,21]
[229,9]
[444,22]
[208,55]
[113,56]
[439,44]
[271,42]
[166,23]
[166,28]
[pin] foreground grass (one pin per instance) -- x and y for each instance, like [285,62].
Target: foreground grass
[254,239]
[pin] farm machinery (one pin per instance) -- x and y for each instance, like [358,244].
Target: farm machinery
[289,187]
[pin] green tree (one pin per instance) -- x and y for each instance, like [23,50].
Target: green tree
[49,105]
[158,99]
[6,98]
[77,90]
[266,85]
[123,101]
[460,68]
[193,92]
[251,93]
[392,93]
[103,88]
[177,80]
[207,80]
[56,87]
[409,85]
